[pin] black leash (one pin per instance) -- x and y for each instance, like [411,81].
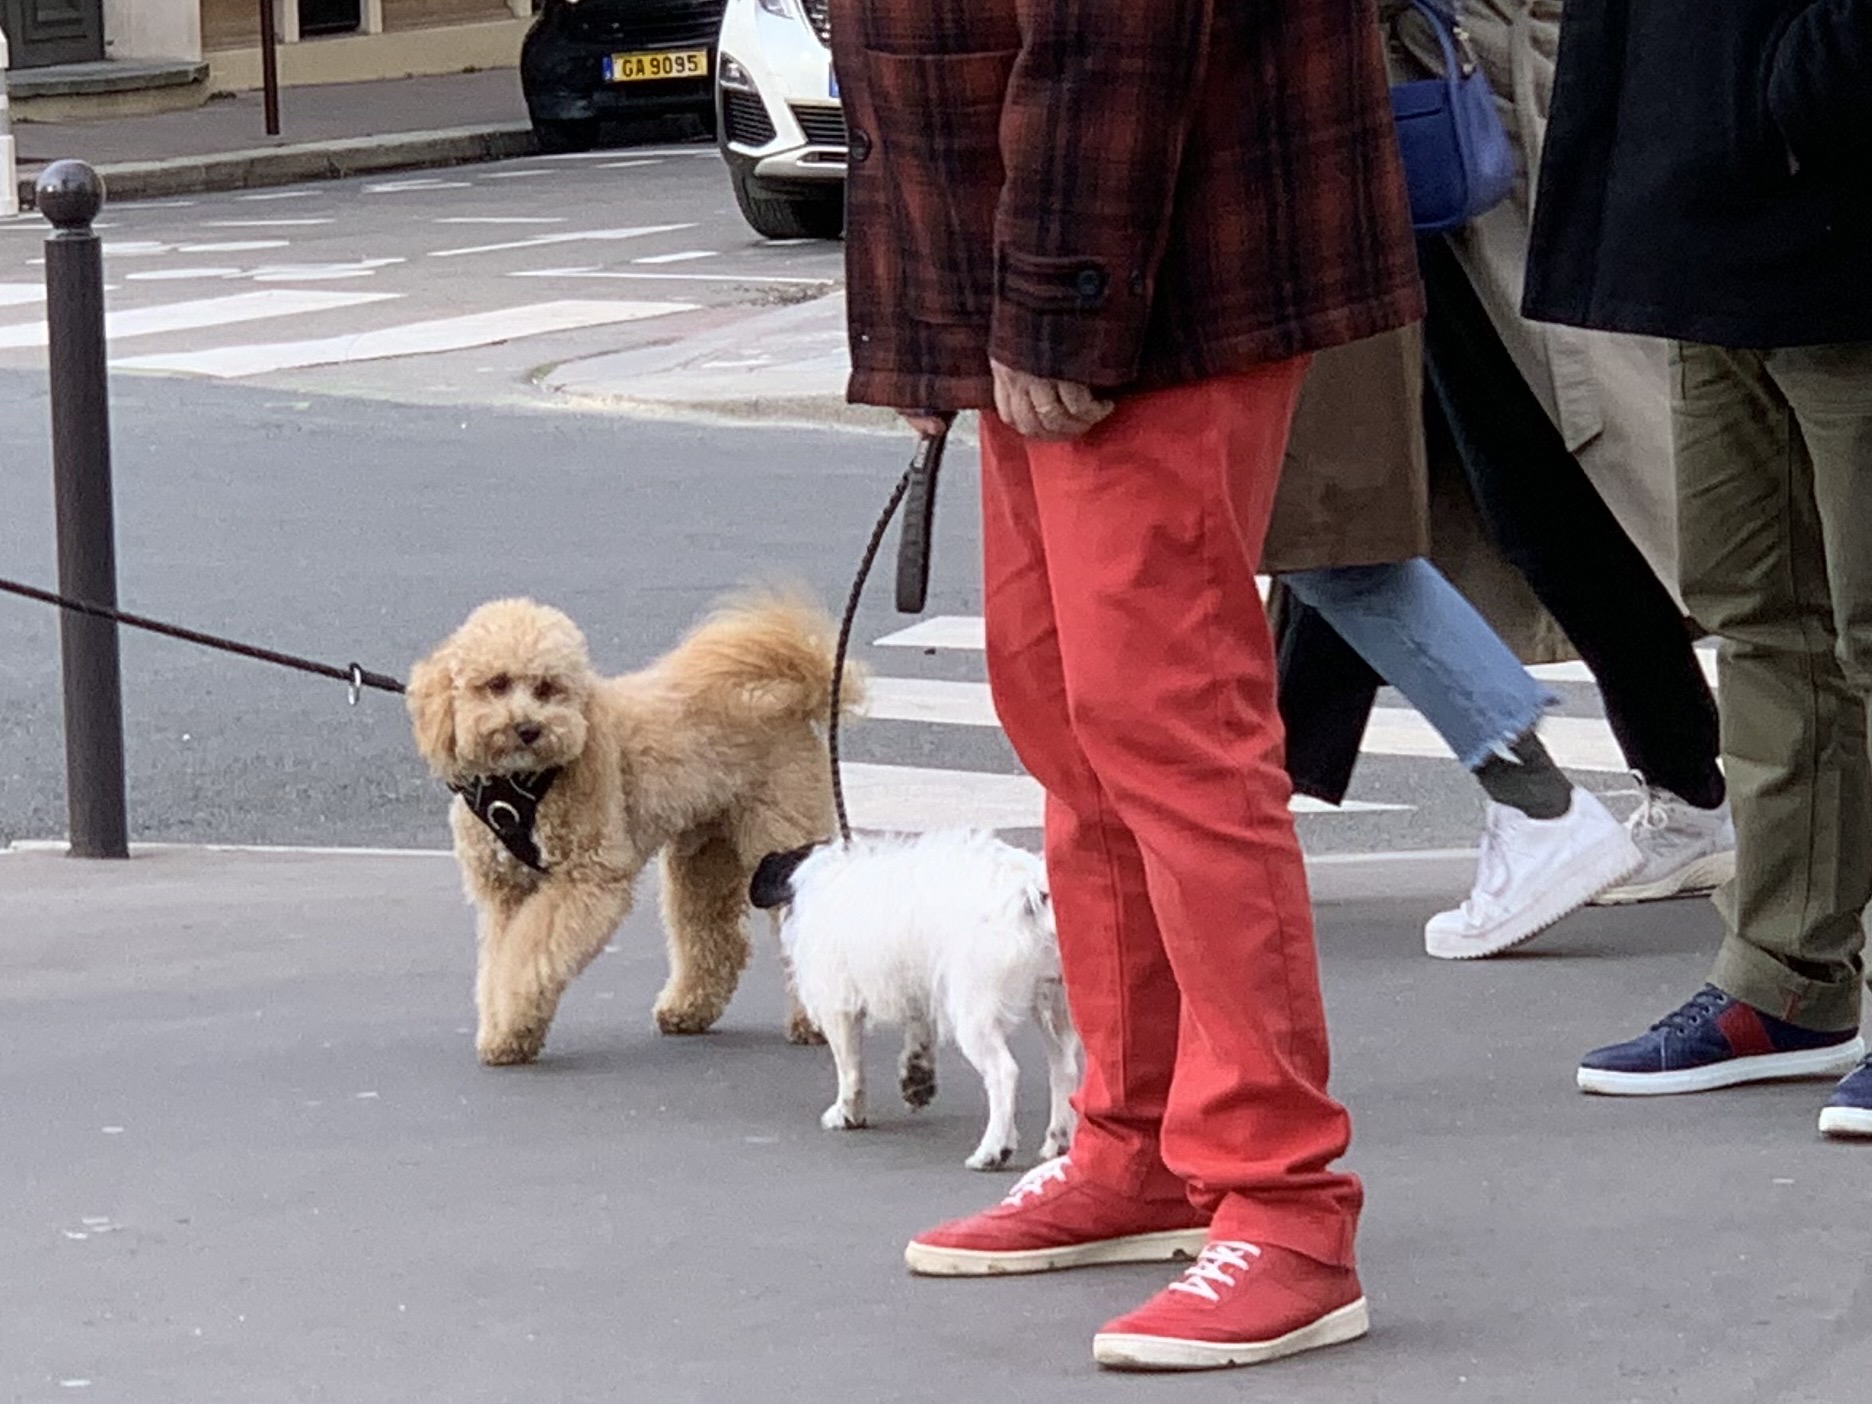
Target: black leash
[918,484]
[357,678]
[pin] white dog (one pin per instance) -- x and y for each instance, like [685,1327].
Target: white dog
[949,934]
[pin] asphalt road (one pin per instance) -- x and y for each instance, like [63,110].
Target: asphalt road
[355,530]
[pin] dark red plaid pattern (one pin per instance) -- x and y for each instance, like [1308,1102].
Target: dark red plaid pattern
[1124,193]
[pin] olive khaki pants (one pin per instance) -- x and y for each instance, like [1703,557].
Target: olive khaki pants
[1774,479]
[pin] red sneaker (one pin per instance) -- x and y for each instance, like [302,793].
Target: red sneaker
[1238,1305]
[1056,1219]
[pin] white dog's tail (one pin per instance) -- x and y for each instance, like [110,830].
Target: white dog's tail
[776,649]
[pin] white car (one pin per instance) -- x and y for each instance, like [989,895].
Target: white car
[779,123]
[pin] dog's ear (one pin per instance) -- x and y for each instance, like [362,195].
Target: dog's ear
[1038,901]
[431,702]
[772,885]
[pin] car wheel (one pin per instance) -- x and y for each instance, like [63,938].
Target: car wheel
[803,211]
[566,134]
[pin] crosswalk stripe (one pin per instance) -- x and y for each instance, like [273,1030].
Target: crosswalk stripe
[570,236]
[1577,743]
[917,798]
[929,700]
[1577,672]
[205,312]
[21,294]
[411,339]
[962,632]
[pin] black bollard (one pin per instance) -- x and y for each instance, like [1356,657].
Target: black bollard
[70,194]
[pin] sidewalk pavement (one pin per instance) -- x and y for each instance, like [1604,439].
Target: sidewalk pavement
[249,1158]
[784,365]
[326,131]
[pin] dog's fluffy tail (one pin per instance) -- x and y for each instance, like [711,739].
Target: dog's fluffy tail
[777,651]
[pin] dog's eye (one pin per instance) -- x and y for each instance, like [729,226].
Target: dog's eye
[499,685]
[546,690]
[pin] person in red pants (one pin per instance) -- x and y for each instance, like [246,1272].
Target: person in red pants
[1119,231]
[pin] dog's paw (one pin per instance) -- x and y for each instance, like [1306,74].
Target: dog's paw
[684,1019]
[990,1158]
[509,1049]
[1056,1144]
[917,1081]
[839,1117]
[802,1032]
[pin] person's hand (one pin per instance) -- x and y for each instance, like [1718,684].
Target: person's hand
[1036,407]
[927,425]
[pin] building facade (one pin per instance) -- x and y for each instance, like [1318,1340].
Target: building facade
[323,41]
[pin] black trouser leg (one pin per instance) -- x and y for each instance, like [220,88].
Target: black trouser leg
[1545,516]
[1326,692]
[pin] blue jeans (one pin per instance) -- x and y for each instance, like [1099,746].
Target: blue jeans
[1420,635]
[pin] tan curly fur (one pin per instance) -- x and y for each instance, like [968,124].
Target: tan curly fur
[711,757]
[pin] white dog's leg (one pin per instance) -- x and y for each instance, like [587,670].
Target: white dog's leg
[1064,1068]
[984,1044]
[845,1033]
[916,1069]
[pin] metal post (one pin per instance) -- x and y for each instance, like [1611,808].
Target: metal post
[70,194]
[269,66]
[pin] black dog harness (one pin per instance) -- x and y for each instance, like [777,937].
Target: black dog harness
[509,805]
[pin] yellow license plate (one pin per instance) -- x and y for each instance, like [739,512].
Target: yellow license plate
[650,68]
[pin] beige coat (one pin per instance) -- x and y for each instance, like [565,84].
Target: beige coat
[1355,490]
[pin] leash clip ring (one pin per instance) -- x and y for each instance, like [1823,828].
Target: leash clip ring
[355,689]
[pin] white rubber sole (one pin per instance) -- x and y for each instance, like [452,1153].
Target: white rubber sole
[1705,874]
[1847,1123]
[1134,1352]
[1171,1245]
[1834,1062]
[1607,863]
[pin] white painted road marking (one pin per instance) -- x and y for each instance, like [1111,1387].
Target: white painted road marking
[573,236]
[916,798]
[412,339]
[624,276]
[207,312]
[21,294]
[685,256]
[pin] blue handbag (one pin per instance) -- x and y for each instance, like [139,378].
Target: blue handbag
[1457,159]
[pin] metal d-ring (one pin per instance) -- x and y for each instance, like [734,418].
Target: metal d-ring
[356,689]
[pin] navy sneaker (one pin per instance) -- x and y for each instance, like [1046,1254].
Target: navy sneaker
[1716,1040]
[1848,1111]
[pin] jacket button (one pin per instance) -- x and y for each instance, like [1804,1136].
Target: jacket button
[1138,284]
[860,146]
[1090,284]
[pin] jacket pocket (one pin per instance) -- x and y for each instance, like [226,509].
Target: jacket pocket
[938,121]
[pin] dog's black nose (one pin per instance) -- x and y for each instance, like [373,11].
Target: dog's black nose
[527,732]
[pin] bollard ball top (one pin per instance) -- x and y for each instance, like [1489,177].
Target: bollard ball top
[70,194]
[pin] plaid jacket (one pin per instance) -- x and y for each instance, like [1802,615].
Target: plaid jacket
[1124,193]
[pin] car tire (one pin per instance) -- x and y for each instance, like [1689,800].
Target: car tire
[566,134]
[802,211]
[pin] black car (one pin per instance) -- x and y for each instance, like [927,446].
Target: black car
[586,60]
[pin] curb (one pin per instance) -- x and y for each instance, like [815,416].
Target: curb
[322,160]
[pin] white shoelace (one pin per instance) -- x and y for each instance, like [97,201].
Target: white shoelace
[1036,1180]
[1653,811]
[1214,1264]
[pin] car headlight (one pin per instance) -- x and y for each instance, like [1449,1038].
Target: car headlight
[783,8]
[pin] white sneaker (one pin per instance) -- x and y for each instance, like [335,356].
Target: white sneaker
[1531,873]
[1686,850]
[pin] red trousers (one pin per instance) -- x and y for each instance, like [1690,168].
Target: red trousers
[1133,671]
